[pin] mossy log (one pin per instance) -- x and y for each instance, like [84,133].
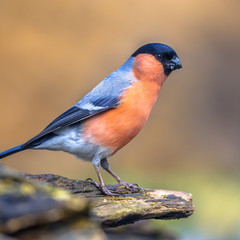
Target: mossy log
[30,210]
[128,207]
[75,209]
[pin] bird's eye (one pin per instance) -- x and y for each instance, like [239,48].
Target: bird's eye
[159,57]
[168,56]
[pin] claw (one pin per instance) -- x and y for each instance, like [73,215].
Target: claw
[107,192]
[130,186]
[103,188]
[138,187]
[93,182]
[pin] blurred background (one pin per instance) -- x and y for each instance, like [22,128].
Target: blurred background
[53,52]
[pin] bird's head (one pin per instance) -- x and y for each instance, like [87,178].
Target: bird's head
[155,60]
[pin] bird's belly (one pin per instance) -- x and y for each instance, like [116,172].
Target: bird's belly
[71,140]
[115,128]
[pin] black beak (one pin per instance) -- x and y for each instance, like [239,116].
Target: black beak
[174,64]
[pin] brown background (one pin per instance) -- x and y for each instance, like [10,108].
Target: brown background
[54,52]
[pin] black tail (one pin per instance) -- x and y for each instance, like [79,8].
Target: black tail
[11,151]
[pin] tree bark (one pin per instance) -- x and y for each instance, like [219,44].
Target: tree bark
[128,207]
[75,209]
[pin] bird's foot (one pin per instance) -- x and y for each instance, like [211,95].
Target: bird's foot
[106,191]
[133,187]
[93,182]
[102,188]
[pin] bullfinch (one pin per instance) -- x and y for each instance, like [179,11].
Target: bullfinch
[110,115]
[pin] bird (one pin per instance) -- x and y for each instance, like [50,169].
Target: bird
[111,114]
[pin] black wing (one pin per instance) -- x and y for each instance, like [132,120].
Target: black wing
[71,116]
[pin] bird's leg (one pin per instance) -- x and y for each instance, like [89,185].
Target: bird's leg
[128,186]
[101,184]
